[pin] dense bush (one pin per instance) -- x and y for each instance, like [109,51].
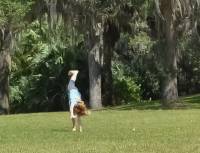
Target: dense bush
[138,53]
[189,66]
[125,88]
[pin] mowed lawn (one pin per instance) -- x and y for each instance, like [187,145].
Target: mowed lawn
[108,131]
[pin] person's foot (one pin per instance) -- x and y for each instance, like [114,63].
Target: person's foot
[74,129]
[81,129]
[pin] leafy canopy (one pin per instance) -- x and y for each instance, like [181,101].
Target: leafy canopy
[12,12]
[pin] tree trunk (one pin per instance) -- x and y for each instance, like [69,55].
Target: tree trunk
[5,65]
[110,36]
[95,77]
[107,75]
[94,64]
[169,84]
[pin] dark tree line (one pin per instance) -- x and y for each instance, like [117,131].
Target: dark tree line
[102,24]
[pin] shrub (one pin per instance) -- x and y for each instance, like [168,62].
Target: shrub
[125,88]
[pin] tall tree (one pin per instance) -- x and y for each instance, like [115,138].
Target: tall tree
[5,64]
[84,17]
[94,65]
[111,35]
[120,17]
[11,13]
[174,18]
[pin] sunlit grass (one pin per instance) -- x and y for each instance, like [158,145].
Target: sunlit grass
[108,131]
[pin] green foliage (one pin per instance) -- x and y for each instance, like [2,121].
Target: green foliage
[12,12]
[16,94]
[140,43]
[138,52]
[43,55]
[189,65]
[124,85]
[39,68]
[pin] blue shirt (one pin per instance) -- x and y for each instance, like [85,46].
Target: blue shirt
[74,96]
[73,93]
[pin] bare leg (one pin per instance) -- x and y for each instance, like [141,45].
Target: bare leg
[79,123]
[73,124]
[73,117]
[74,120]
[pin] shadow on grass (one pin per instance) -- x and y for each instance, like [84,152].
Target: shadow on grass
[138,106]
[63,130]
[192,99]
[191,102]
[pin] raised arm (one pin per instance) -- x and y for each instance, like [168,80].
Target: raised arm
[73,74]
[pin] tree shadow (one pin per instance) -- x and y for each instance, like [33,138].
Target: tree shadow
[137,106]
[192,99]
[192,102]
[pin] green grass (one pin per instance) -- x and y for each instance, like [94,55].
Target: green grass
[109,131]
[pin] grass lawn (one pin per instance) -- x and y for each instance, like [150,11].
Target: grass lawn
[107,131]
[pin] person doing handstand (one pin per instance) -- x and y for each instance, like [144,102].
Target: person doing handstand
[74,98]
